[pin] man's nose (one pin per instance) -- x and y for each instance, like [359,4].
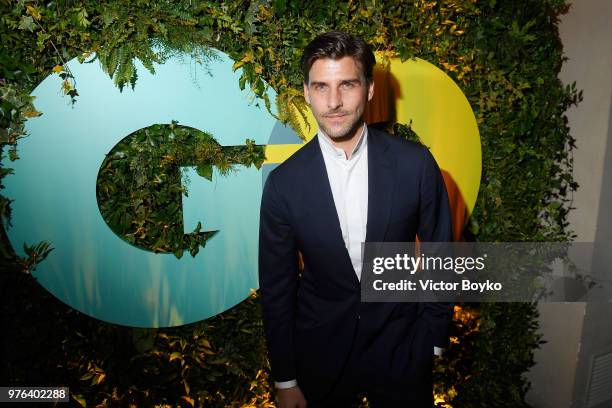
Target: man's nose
[334,100]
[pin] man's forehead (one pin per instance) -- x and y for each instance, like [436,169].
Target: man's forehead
[344,68]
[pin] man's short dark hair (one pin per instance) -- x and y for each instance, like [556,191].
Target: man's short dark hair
[335,45]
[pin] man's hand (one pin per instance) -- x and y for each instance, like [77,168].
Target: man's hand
[291,398]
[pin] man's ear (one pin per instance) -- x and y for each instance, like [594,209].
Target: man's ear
[306,94]
[370,90]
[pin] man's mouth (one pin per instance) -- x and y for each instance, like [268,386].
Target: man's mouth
[336,115]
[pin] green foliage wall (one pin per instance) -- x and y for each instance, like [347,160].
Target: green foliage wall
[504,55]
[139,185]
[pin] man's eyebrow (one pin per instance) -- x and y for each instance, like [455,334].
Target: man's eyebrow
[312,83]
[344,81]
[351,81]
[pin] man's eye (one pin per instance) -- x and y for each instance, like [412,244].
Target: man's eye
[319,87]
[348,85]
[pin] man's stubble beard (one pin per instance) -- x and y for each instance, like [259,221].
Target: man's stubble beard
[345,132]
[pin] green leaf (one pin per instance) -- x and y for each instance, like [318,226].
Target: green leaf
[82,18]
[237,65]
[86,376]
[41,39]
[80,399]
[242,81]
[178,253]
[206,171]
[176,355]
[26,23]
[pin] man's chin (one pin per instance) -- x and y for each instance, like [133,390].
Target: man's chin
[339,134]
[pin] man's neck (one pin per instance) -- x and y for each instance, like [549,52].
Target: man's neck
[348,143]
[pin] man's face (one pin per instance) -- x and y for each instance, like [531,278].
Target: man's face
[337,92]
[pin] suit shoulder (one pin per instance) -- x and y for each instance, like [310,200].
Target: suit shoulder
[401,146]
[288,170]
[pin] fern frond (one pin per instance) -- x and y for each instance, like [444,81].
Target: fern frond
[292,109]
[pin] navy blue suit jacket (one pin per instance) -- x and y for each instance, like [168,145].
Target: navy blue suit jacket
[310,319]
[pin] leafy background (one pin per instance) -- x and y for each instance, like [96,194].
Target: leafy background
[140,184]
[505,56]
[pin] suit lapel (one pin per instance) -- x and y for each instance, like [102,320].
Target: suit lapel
[380,186]
[321,194]
[323,203]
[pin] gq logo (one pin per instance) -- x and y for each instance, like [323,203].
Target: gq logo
[95,271]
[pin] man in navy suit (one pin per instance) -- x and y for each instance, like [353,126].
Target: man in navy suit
[350,184]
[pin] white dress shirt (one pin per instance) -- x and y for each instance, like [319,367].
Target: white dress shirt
[348,179]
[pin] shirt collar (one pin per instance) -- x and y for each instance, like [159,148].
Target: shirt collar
[327,146]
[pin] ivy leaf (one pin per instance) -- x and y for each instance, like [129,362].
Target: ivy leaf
[27,23]
[41,38]
[249,18]
[67,86]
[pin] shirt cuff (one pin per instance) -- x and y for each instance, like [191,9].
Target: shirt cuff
[283,385]
[438,351]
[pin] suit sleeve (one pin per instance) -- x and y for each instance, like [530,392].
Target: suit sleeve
[435,226]
[278,279]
